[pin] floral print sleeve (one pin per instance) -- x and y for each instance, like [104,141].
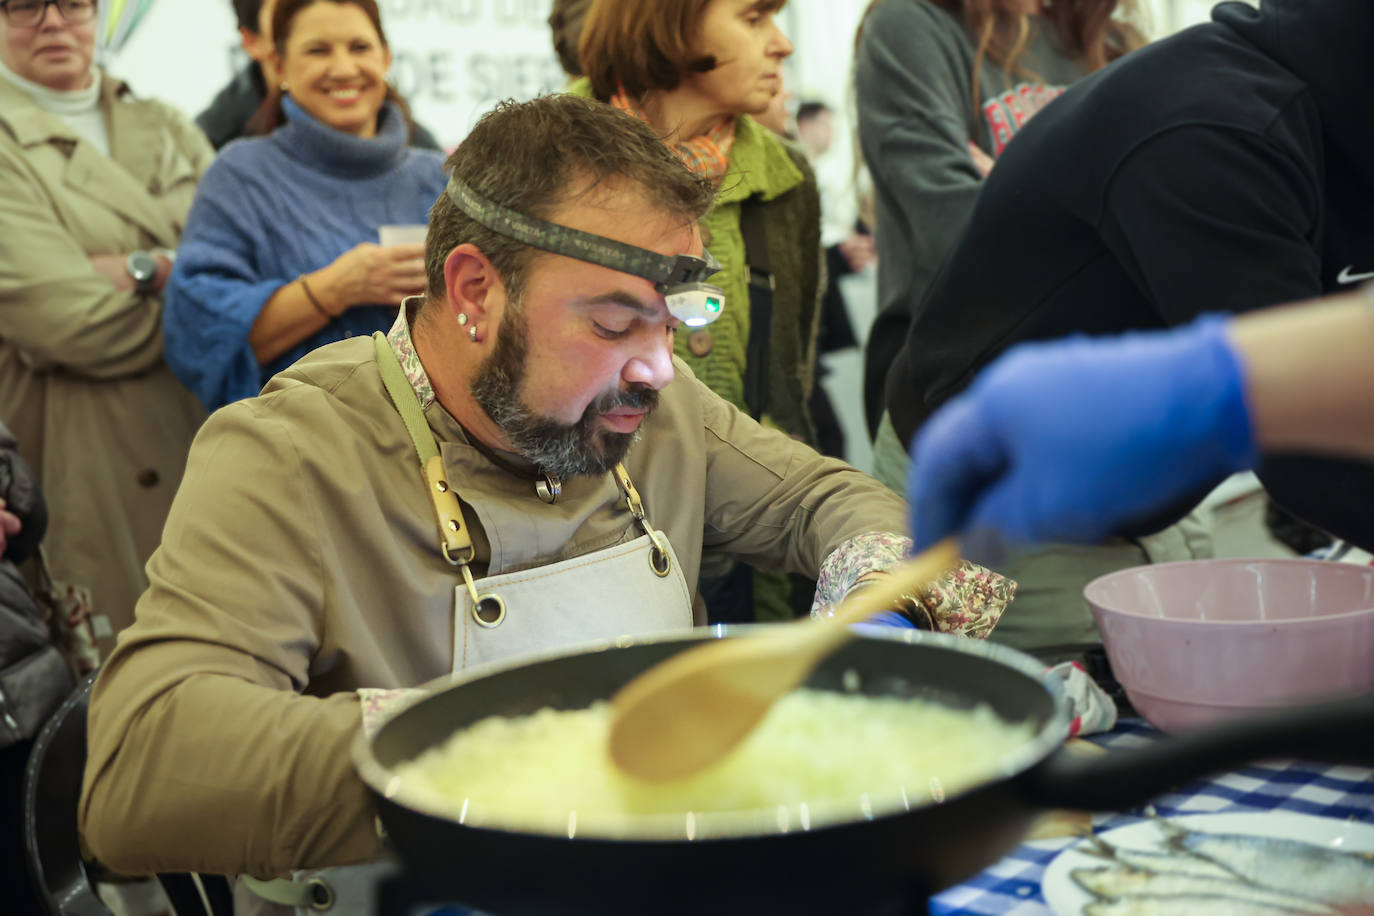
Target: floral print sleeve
[966,601]
[380,704]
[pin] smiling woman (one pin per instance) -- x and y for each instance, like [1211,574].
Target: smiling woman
[332,58]
[281,253]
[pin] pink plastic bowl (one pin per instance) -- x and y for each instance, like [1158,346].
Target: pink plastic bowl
[1201,640]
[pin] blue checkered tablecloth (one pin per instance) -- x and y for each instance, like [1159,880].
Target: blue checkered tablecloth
[1012,886]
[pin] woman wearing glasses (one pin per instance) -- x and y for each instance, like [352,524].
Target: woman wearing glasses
[94,187]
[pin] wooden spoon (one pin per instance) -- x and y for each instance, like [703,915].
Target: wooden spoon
[686,713]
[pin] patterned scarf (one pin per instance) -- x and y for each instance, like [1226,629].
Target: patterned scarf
[708,154]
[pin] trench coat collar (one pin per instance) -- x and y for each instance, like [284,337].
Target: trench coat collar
[124,181]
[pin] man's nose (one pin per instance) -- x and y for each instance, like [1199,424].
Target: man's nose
[653,364]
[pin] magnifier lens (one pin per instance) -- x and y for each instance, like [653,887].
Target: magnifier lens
[696,305]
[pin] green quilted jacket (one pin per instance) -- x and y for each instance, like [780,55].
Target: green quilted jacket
[777,173]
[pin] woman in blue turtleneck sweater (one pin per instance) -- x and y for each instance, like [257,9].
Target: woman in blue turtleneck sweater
[280,252]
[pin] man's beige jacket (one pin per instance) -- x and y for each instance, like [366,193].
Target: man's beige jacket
[301,562]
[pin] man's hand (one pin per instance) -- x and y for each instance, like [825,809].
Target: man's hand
[9,527]
[1072,439]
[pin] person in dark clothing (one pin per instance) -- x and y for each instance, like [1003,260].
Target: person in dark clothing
[34,678]
[1225,168]
[227,116]
[848,248]
[232,107]
[565,22]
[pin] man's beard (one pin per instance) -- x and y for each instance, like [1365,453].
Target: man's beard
[561,449]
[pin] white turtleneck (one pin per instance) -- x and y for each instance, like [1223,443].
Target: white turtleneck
[80,108]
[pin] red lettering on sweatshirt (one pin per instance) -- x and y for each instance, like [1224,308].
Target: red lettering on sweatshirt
[1008,113]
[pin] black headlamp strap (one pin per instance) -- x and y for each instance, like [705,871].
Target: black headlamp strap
[537,233]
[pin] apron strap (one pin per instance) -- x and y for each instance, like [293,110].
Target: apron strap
[659,558]
[454,541]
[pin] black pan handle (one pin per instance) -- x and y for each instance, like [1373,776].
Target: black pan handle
[1340,731]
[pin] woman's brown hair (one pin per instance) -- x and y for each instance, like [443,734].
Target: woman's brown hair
[270,115]
[1094,31]
[645,45]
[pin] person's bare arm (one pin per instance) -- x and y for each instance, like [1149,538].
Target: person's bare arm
[1309,373]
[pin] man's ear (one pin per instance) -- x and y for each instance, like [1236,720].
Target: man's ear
[471,280]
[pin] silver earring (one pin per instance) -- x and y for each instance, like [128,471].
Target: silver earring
[462,318]
[472,333]
[285,88]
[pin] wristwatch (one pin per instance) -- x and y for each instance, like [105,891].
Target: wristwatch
[142,266]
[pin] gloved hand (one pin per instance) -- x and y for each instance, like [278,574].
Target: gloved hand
[1071,439]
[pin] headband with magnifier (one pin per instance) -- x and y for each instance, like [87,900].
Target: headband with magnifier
[680,278]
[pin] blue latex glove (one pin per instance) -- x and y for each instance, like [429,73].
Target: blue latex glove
[885,619]
[1067,441]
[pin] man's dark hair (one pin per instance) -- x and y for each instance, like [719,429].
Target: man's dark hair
[246,11]
[534,156]
[808,110]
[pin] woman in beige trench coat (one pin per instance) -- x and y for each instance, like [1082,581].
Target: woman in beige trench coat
[83,385]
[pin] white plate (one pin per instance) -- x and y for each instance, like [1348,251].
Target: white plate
[1068,899]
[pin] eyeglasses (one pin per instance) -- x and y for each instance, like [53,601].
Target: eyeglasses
[25,14]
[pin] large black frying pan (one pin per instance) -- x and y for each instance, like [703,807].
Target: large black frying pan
[889,864]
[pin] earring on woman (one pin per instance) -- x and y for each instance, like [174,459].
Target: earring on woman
[462,318]
[472,333]
[283,87]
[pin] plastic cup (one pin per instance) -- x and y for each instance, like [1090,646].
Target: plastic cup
[401,235]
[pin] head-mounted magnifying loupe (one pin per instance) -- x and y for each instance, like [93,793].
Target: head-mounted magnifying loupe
[681,278]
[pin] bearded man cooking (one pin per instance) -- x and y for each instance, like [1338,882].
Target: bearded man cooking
[513,468]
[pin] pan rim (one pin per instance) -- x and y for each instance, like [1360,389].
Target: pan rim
[699,827]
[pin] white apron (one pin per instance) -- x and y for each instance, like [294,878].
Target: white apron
[609,593]
[626,589]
